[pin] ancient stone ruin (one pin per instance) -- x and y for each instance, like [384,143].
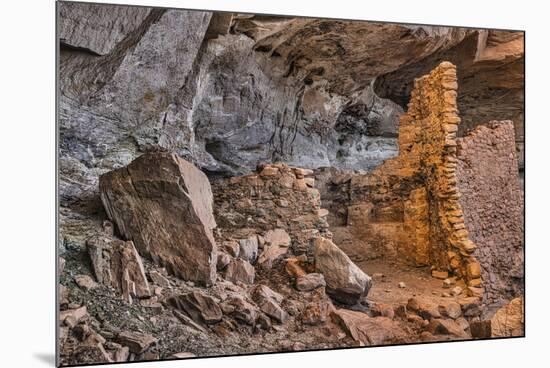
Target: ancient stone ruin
[273,193]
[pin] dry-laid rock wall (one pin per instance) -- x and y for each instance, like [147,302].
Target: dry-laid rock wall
[276,197]
[492,200]
[412,201]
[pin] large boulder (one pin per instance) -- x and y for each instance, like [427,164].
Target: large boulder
[164,204]
[346,283]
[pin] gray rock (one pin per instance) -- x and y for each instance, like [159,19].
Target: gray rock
[248,248]
[98,28]
[310,281]
[346,283]
[240,270]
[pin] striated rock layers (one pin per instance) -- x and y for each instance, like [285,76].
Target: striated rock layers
[227,91]
[164,205]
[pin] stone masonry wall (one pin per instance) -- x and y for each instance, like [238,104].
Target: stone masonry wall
[492,200]
[413,200]
[276,197]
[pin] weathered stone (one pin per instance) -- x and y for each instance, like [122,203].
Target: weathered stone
[457,290]
[447,283]
[164,204]
[187,321]
[116,263]
[98,28]
[316,313]
[276,245]
[263,292]
[442,275]
[121,354]
[136,342]
[346,282]
[243,310]
[240,270]
[310,282]
[273,310]
[367,330]
[451,310]
[85,282]
[424,309]
[159,279]
[232,248]
[223,260]
[293,268]
[446,327]
[71,317]
[152,304]
[509,320]
[200,307]
[248,248]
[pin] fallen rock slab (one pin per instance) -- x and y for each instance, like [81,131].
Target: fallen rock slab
[239,270]
[242,310]
[271,308]
[117,263]
[368,330]
[164,204]
[346,283]
[135,341]
[159,279]
[200,307]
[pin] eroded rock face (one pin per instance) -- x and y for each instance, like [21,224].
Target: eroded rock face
[293,89]
[164,204]
[346,283]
